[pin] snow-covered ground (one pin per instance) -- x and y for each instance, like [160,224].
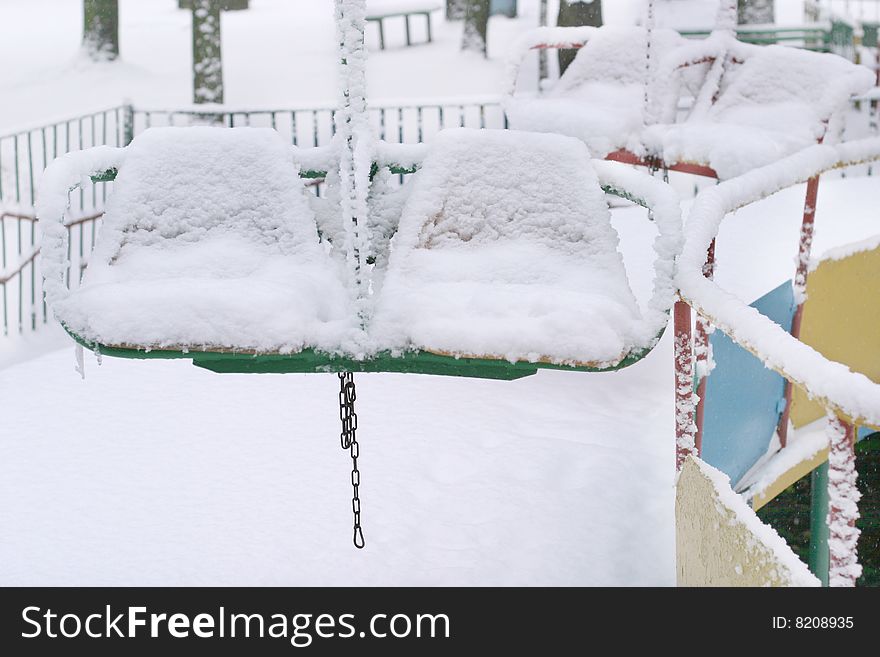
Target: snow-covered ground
[161,473]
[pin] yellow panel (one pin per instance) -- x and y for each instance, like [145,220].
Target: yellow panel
[788,477]
[842,321]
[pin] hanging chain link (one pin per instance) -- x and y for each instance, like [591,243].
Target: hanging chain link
[348,440]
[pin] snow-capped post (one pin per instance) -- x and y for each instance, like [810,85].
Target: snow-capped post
[101,29]
[207,52]
[684,384]
[476,26]
[574,13]
[755,11]
[843,504]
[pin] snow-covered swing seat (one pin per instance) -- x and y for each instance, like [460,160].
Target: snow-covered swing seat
[209,251]
[750,105]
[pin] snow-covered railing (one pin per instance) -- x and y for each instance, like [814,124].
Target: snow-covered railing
[398,121]
[850,395]
[850,398]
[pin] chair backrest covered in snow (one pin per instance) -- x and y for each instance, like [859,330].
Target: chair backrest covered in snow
[616,55]
[185,185]
[787,89]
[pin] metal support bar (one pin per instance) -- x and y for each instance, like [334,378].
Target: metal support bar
[800,288]
[818,557]
[684,384]
[701,348]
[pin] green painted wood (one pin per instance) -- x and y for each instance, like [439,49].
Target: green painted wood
[819,557]
[310,361]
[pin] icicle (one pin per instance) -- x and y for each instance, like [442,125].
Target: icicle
[80,365]
[843,505]
[98,357]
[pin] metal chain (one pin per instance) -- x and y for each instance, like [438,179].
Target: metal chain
[348,440]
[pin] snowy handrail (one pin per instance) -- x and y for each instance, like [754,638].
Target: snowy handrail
[850,395]
[539,38]
[60,178]
[666,209]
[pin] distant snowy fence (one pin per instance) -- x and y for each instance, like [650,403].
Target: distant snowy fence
[24,155]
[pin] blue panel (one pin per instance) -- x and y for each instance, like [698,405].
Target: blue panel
[743,398]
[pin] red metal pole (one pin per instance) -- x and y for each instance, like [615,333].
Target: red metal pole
[701,348]
[843,505]
[800,289]
[684,384]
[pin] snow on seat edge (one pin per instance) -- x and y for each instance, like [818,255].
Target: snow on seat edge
[208,243]
[505,250]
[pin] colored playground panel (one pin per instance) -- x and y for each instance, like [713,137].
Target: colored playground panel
[744,399]
[842,320]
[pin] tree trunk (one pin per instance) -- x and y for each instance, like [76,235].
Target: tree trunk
[476,24]
[225,5]
[455,9]
[101,29]
[207,54]
[755,11]
[573,14]
[543,73]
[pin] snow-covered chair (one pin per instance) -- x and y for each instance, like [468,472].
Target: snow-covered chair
[766,102]
[600,99]
[208,243]
[493,259]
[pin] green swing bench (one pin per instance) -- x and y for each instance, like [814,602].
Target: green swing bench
[210,251]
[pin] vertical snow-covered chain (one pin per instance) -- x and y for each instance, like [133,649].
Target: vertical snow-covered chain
[843,504]
[649,38]
[352,125]
[348,441]
[355,162]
